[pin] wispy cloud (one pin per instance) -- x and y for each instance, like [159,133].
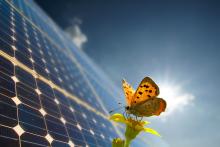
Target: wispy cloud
[75,32]
[177,99]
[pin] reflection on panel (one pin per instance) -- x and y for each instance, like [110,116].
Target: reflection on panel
[46,99]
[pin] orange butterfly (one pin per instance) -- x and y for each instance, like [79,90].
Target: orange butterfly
[143,102]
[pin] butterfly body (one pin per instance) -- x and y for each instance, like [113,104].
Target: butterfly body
[144,101]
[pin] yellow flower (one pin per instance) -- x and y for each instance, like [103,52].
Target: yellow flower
[133,127]
[136,126]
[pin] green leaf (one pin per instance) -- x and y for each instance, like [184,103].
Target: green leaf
[152,131]
[146,122]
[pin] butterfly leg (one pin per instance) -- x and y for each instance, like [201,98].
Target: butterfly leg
[127,115]
[141,118]
[136,118]
[124,114]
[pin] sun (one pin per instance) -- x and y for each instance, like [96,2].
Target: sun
[177,99]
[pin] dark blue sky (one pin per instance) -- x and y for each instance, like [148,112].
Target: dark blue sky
[176,43]
[142,33]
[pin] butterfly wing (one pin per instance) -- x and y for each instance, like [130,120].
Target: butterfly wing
[128,91]
[147,89]
[153,106]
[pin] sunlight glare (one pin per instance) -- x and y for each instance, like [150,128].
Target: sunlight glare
[175,97]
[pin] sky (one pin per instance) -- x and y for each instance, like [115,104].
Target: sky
[174,42]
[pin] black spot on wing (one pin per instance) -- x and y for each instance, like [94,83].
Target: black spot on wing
[140,92]
[146,86]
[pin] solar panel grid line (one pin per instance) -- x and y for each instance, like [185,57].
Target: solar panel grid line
[82,71]
[37,76]
[31,23]
[43,20]
[18,50]
[18,126]
[101,84]
[34,135]
[55,29]
[39,65]
[6,20]
[90,85]
[55,122]
[19,82]
[62,119]
[42,94]
[35,109]
[94,77]
[86,78]
[29,16]
[41,109]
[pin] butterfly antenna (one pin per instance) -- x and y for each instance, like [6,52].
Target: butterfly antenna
[118,108]
[120,104]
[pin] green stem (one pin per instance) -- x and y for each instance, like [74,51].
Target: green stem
[127,142]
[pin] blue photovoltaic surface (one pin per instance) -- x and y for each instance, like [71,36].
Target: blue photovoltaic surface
[32,112]
[51,94]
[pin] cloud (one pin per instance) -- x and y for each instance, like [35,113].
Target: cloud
[177,99]
[75,32]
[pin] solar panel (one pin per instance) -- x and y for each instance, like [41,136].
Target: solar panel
[51,94]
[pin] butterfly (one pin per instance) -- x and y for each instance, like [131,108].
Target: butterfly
[143,101]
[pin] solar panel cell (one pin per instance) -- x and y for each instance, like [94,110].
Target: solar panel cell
[49,106]
[25,77]
[89,138]
[7,85]
[31,120]
[22,48]
[23,59]
[61,98]
[6,29]
[5,46]
[28,95]
[56,128]
[6,66]
[74,132]
[30,140]
[59,144]
[45,89]
[8,111]
[8,137]
[68,114]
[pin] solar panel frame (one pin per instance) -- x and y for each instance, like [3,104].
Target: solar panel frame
[35,51]
[29,122]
